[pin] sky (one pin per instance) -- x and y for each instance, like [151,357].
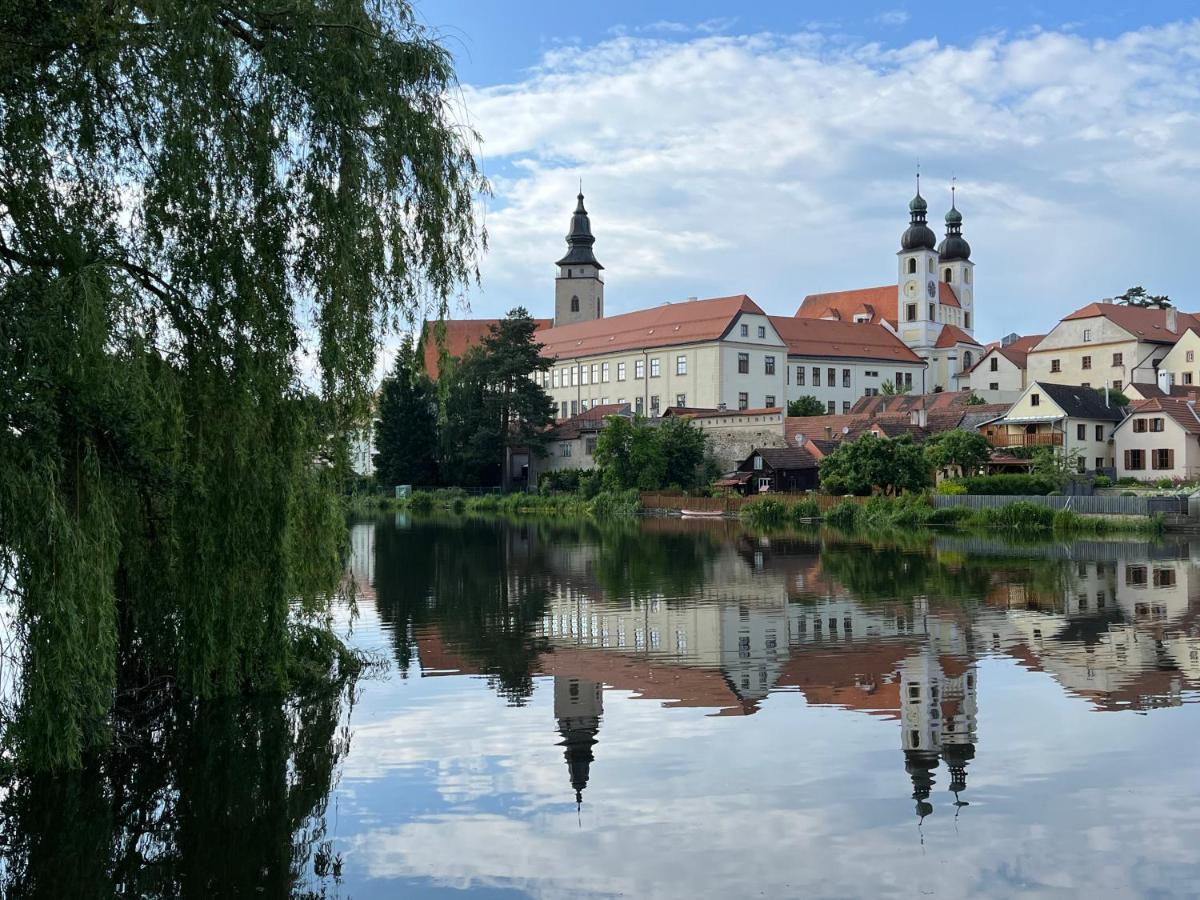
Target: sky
[770,148]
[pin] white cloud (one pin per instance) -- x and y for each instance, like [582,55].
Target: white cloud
[779,165]
[892,17]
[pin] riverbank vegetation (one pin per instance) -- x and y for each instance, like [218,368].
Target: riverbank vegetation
[200,214]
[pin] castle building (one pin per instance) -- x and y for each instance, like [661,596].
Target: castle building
[932,306]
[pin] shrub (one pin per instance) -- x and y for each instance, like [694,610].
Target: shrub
[951,489]
[1102,481]
[765,512]
[845,515]
[1129,480]
[950,515]
[1164,484]
[1009,484]
[421,501]
[1055,494]
[1020,516]
[805,509]
[1128,493]
[615,504]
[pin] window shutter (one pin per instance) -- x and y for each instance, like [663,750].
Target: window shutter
[1170,459]
[1127,457]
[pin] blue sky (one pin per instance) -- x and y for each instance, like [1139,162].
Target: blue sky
[769,148]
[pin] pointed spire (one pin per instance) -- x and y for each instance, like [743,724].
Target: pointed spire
[955,246]
[579,238]
[918,235]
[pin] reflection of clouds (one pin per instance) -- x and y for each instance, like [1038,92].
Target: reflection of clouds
[794,801]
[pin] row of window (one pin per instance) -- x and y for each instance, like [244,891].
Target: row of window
[744,400]
[910,314]
[745,330]
[947,273]
[1135,460]
[743,363]
[598,373]
[575,407]
[1118,359]
[831,374]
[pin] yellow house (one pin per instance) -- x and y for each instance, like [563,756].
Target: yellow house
[1077,422]
[1107,344]
[1181,365]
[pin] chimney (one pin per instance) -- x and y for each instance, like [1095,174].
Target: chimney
[1172,320]
[1164,382]
[828,432]
[721,407]
[919,417]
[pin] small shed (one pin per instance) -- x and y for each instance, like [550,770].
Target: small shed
[780,469]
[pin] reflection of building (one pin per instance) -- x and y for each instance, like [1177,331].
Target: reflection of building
[578,706]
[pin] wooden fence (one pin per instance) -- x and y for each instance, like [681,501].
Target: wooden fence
[733,503]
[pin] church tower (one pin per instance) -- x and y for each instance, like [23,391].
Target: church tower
[578,706]
[955,267]
[917,309]
[579,286]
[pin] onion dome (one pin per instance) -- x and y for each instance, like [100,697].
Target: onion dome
[954,246]
[918,235]
[580,239]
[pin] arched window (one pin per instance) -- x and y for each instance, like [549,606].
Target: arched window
[967,275]
[947,276]
[967,359]
[912,266]
[574,304]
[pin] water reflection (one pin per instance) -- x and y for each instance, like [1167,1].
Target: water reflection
[706,616]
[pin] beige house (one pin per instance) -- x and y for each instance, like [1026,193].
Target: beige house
[715,353]
[1075,421]
[1002,368]
[838,362]
[1181,366]
[1107,344]
[572,443]
[1159,439]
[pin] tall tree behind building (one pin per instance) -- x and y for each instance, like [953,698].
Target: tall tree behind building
[406,431]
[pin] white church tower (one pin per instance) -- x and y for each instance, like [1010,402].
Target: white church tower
[955,267]
[579,286]
[917,308]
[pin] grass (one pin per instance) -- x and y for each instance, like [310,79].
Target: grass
[604,505]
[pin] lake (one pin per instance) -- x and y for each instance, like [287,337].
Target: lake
[676,708]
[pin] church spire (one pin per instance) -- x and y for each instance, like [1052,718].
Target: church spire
[918,235]
[579,238]
[955,246]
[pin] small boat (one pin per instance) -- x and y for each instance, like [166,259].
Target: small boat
[702,513]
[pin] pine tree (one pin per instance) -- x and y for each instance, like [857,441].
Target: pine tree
[406,431]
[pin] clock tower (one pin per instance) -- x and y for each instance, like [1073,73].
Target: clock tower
[917,308]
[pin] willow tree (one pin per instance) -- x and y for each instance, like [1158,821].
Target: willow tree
[203,207]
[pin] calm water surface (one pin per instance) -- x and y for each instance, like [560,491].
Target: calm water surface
[685,709]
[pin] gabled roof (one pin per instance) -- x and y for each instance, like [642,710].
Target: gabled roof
[460,336]
[591,420]
[689,412]
[1078,402]
[824,427]
[1025,343]
[951,335]
[1181,411]
[1146,324]
[879,301]
[1018,356]
[845,340]
[783,458]
[665,325]
[1149,390]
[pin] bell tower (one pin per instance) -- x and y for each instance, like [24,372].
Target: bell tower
[955,267]
[579,286]
[917,303]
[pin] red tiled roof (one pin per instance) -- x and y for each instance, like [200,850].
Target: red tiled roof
[460,336]
[689,412]
[660,326]
[591,420]
[1147,324]
[850,340]
[905,402]
[1179,410]
[1025,343]
[815,428]
[878,301]
[951,335]
[1148,390]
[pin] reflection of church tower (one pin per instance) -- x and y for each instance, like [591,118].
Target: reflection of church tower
[578,706]
[920,765]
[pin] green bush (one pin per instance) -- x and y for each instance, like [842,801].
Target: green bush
[950,515]
[1009,484]
[1055,494]
[951,489]
[805,509]
[1164,484]
[845,515]
[1020,516]
[421,502]
[615,504]
[765,512]
[1102,481]
[1128,493]
[1128,480]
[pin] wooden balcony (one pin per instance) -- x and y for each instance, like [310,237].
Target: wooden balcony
[1016,439]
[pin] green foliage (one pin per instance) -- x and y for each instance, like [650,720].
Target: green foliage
[1102,481]
[964,451]
[615,504]
[631,453]
[188,191]
[975,400]
[1164,483]
[806,406]
[1137,296]
[1009,484]
[805,509]
[406,432]
[869,462]
[845,515]
[888,389]
[492,404]
[951,489]
[1021,516]
[765,512]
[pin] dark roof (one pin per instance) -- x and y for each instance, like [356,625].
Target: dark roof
[1080,402]
[1149,390]
[784,458]
[580,239]
[591,420]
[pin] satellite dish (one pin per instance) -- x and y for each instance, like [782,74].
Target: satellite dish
[845,429]
[799,440]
